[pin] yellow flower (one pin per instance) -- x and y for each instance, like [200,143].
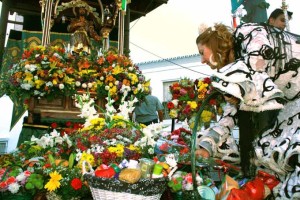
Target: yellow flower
[53,183]
[173,113]
[193,104]
[87,157]
[28,77]
[98,122]
[68,80]
[39,83]
[117,70]
[133,77]
[119,150]
[53,64]
[133,148]
[113,91]
[206,116]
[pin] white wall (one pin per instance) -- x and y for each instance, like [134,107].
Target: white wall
[6,107]
[173,72]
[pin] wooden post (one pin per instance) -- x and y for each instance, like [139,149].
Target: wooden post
[46,26]
[121,32]
[3,27]
[127,31]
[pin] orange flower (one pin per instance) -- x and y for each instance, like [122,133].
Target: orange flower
[100,60]
[69,70]
[83,64]
[126,82]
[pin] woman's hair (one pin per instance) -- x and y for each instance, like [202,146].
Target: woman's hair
[219,38]
[277,12]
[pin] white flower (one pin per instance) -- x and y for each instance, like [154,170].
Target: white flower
[77,83]
[49,84]
[107,87]
[58,140]
[175,102]
[21,177]
[130,68]
[78,155]
[30,67]
[67,139]
[61,86]
[83,85]
[90,85]
[101,78]
[117,82]
[151,151]
[14,188]
[26,86]
[54,133]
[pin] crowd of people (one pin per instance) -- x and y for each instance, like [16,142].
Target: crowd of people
[256,67]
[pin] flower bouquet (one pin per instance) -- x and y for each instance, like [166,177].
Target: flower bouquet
[188,96]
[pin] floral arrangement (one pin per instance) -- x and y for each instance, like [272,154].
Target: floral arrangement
[44,166]
[120,78]
[188,96]
[113,138]
[50,71]
[52,164]
[42,72]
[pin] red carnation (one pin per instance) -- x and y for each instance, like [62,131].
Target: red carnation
[76,184]
[68,124]
[207,80]
[212,102]
[164,147]
[170,105]
[54,125]
[192,95]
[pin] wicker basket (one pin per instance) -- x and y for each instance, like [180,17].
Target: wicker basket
[114,189]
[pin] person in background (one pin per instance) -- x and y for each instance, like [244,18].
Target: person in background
[259,74]
[277,18]
[149,111]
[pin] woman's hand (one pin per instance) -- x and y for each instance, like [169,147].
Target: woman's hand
[202,153]
[231,99]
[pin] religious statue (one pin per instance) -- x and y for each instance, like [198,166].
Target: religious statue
[82,30]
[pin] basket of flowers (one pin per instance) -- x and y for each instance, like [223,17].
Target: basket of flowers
[119,154]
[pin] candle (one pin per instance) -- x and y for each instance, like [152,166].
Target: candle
[146,166]
[157,170]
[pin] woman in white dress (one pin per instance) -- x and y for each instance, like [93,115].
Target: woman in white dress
[258,70]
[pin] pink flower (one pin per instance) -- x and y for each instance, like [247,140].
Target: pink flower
[183,91]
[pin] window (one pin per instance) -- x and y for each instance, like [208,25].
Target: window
[166,91]
[15,22]
[167,97]
[3,146]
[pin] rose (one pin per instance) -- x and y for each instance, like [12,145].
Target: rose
[76,184]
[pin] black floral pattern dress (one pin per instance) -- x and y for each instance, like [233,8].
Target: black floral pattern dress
[265,77]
